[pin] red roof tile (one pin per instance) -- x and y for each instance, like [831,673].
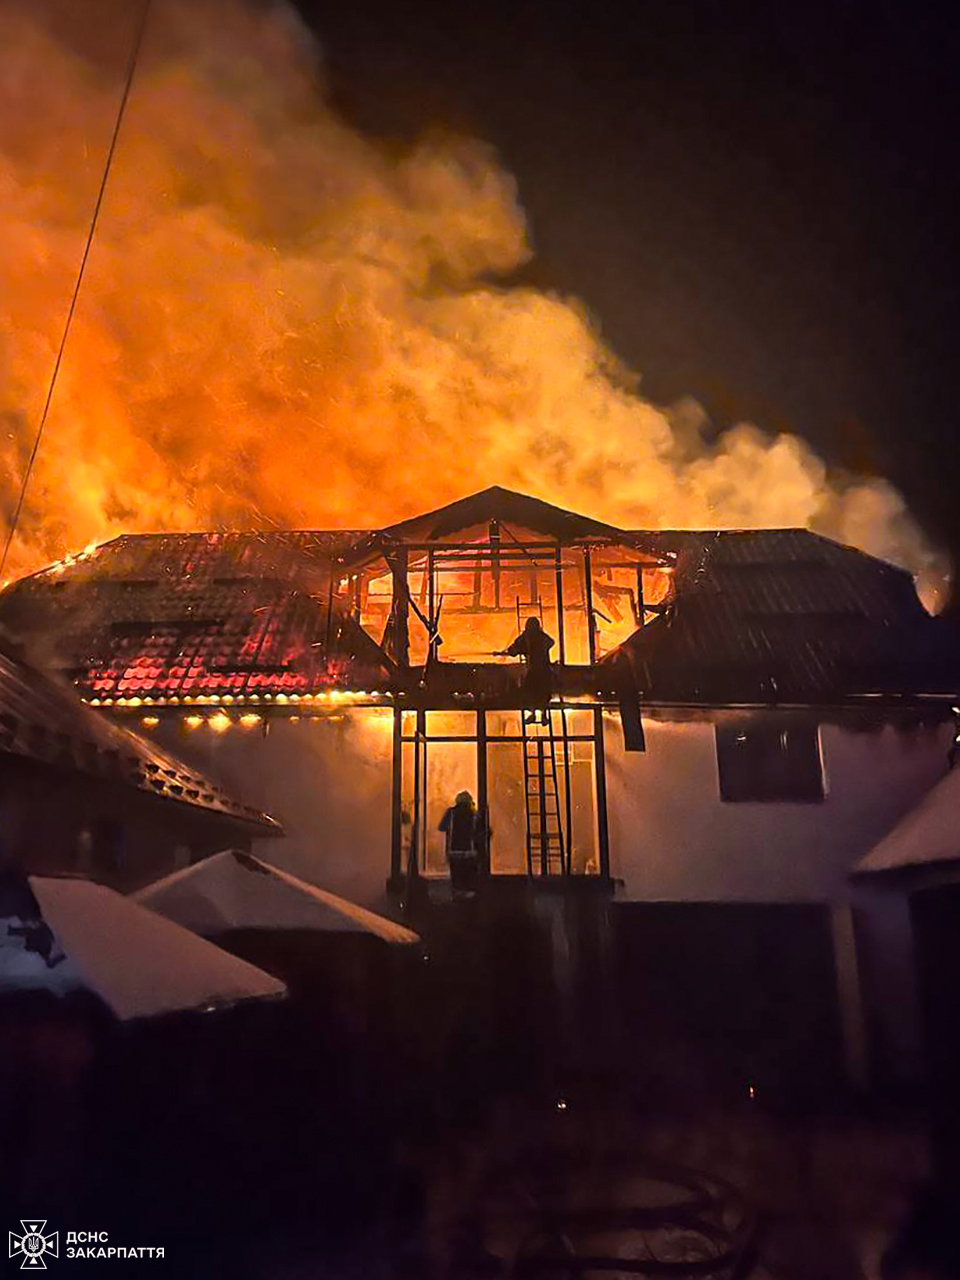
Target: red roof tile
[43,721]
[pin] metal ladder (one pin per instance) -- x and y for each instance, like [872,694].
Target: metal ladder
[545,844]
[532,608]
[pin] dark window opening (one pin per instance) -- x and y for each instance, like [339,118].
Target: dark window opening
[775,761]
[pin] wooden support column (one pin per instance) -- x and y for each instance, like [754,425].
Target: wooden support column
[431,606]
[558,570]
[600,766]
[396,829]
[568,797]
[588,598]
[849,997]
[495,560]
[419,786]
[542,789]
[401,608]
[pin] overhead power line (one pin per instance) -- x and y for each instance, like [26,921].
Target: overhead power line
[131,70]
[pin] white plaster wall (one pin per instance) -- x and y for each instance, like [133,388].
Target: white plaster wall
[328,781]
[673,838]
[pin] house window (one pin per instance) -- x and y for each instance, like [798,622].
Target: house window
[769,761]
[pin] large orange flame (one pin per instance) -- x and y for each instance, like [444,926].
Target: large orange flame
[286,324]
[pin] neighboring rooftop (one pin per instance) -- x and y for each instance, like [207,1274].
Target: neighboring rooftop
[46,722]
[234,890]
[927,836]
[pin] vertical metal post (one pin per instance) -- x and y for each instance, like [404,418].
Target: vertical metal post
[420,789]
[600,765]
[641,620]
[558,569]
[850,997]
[588,596]
[542,789]
[396,826]
[431,602]
[568,805]
[495,560]
[482,800]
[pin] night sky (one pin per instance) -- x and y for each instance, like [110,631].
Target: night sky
[756,200]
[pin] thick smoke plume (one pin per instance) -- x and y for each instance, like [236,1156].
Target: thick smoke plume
[286,324]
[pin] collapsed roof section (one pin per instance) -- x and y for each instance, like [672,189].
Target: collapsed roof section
[46,723]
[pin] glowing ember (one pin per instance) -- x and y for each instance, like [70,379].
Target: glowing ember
[284,324]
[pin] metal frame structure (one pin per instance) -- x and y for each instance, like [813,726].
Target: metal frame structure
[502,551]
[540,866]
[546,778]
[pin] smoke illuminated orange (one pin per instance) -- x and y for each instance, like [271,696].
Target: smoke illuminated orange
[286,324]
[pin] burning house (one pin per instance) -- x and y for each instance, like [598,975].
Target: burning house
[736,718]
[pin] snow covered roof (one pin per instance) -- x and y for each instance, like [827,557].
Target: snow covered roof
[69,934]
[928,834]
[234,890]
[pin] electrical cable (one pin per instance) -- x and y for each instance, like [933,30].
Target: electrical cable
[131,69]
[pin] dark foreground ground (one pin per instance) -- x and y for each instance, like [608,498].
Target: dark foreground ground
[390,1120]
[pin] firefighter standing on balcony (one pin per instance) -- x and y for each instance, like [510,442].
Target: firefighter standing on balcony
[533,645]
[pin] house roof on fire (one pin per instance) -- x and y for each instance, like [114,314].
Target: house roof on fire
[239,615]
[45,722]
[506,507]
[770,615]
[786,615]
